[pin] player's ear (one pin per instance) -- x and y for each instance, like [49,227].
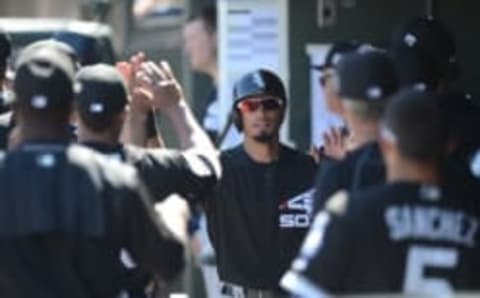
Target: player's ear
[122,116]
[387,147]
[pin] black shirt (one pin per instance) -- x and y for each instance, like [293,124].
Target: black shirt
[361,168]
[166,171]
[65,214]
[259,214]
[393,238]
[6,125]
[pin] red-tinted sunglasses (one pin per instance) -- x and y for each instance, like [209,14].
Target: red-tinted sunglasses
[268,104]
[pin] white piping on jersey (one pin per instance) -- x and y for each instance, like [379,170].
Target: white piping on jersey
[301,286]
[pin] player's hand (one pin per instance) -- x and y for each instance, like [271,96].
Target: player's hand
[141,102]
[128,69]
[159,80]
[335,145]
[316,153]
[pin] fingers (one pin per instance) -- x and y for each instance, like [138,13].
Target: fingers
[315,153]
[142,79]
[167,70]
[327,140]
[125,69]
[155,72]
[334,142]
[137,60]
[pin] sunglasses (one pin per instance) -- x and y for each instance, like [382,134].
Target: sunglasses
[268,104]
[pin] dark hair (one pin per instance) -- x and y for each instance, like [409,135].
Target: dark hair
[415,120]
[208,15]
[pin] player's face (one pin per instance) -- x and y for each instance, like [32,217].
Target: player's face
[330,91]
[200,45]
[262,117]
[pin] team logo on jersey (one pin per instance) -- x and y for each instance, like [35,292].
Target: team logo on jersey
[296,212]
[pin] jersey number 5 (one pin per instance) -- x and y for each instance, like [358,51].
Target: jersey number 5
[420,257]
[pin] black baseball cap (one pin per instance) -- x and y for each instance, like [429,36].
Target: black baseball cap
[53,44]
[259,82]
[366,75]
[431,40]
[335,53]
[101,91]
[44,78]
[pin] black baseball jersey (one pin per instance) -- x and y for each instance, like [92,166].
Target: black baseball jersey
[6,125]
[361,168]
[259,215]
[166,171]
[65,214]
[399,237]
[151,128]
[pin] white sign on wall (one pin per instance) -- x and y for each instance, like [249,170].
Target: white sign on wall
[321,119]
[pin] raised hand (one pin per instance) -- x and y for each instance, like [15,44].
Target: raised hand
[158,79]
[335,145]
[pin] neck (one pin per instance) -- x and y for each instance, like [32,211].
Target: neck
[362,134]
[262,152]
[425,173]
[30,132]
[212,72]
[85,135]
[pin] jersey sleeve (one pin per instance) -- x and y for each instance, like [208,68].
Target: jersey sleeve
[323,260]
[147,238]
[150,126]
[165,172]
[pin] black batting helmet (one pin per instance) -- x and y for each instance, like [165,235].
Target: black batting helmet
[256,83]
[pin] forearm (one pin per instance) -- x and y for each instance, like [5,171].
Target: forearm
[191,136]
[187,129]
[134,130]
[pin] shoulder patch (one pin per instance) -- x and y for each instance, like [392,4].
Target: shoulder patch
[338,202]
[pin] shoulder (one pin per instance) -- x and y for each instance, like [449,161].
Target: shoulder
[358,202]
[297,156]
[100,167]
[234,157]
[232,152]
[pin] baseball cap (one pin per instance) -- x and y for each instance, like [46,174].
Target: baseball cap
[259,82]
[50,43]
[102,92]
[5,47]
[430,39]
[366,75]
[335,53]
[414,66]
[44,78]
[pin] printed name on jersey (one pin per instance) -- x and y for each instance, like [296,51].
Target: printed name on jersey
[296,212]
[431,223]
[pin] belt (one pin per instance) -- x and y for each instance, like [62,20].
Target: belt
[234,291]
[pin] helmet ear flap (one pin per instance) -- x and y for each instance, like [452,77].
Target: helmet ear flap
[237,119]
